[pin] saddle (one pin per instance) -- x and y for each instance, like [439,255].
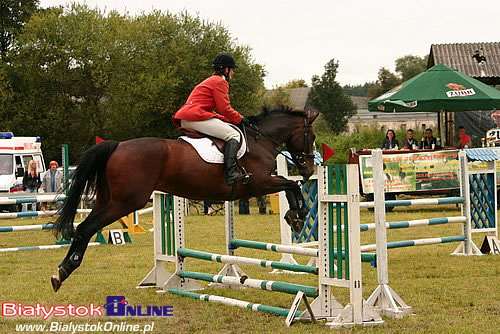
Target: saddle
[190,133]
[209,148]
[219,143]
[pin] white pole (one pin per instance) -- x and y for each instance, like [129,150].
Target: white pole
[380,218]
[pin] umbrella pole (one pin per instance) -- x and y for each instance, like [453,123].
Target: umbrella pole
[442,128]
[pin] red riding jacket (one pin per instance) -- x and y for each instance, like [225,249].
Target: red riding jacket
[210,94]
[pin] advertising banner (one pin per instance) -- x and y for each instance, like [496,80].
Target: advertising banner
[414,171]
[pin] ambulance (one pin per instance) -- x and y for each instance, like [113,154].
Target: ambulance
[15,154]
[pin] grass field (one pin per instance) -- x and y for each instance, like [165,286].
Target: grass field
[448,294]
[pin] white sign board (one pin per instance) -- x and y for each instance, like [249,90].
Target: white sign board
[495,134]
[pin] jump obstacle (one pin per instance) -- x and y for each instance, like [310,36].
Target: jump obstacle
[130,223]
[482,200]
[478,209]
[338,265]
[339,258]
[23,228]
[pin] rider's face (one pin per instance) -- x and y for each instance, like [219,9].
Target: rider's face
[230,73]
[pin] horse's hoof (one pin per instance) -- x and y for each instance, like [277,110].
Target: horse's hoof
[297,225]
[56,283]
[57,279]
[303,213]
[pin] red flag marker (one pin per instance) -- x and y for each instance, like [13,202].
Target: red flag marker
[98,140]
[328,152]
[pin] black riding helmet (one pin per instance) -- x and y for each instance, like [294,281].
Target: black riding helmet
[224,60]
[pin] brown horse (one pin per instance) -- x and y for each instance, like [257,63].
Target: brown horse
[123,176]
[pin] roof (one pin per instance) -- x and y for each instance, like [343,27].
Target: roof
[363,115]
[484,154]
[298,97]
[478,60]
[298,100]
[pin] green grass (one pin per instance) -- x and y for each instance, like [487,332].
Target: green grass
[448,294]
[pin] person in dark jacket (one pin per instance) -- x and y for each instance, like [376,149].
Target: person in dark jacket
[31,182]
[410,143]
[429,142]
[390,142]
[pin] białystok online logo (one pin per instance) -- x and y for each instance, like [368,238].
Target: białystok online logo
[40,311]
[117,306]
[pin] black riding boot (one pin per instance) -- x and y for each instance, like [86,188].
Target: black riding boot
[230,150]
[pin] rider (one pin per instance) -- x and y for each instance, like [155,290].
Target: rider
[198,113]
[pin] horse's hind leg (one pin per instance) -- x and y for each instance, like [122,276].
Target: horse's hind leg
[84,232]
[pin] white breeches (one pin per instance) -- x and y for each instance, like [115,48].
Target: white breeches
[213,127]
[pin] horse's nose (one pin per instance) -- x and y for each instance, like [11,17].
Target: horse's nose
[306,174]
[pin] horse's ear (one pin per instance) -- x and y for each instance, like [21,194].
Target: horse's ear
[312,115]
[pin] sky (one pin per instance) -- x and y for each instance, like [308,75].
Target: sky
[295,39]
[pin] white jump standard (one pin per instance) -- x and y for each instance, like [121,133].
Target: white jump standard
[339,260]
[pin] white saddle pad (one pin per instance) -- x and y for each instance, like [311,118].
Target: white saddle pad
[209,152]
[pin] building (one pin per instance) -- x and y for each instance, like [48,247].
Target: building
[365,118]
[480,61]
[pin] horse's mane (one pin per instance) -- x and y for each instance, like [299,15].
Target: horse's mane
[282,109]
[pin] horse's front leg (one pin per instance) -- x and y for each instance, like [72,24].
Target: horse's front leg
[298,210]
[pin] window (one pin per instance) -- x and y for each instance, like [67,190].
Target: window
[19,163]
[39,163]
[6,164]
[26,160]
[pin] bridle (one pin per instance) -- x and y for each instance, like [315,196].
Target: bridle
[301,158]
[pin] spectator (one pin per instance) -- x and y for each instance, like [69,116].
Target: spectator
[429,142]
[31,182]
[261,203]
[243,206]
[390,142]
[53,181]
[463,140]
[410,143]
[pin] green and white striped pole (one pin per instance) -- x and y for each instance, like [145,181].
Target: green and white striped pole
[234,302]
[65,165]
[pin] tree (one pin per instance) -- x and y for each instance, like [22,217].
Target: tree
[329,98]
[276,97]
[358,90]
[13,15]
[409,66]
[297,83]
[406,68]
[386,81]
[78,73]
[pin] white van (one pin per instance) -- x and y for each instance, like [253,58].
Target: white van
[15,154]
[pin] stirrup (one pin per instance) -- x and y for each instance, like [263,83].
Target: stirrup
[241,177]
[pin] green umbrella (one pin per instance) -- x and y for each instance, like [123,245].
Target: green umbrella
[440,88]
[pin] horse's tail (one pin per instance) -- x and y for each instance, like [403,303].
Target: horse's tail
[83,180]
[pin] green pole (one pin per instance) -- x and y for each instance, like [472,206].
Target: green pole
[162,224]
[331,256]
[65,163]
[346,224]
[338,221]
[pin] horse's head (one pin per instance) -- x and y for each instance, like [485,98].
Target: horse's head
[300,143]
[294,128]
